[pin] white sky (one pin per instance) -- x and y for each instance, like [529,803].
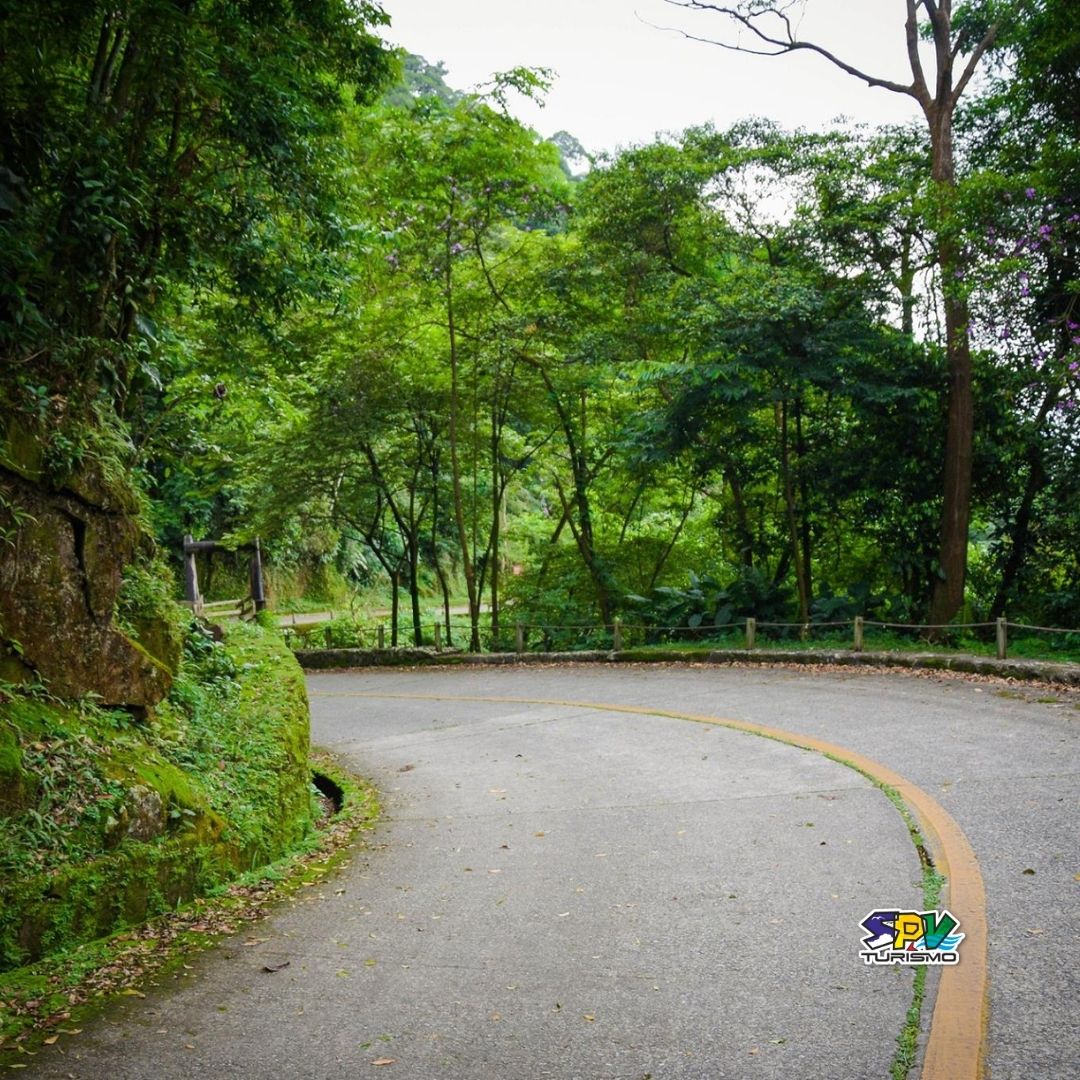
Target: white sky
[620,80]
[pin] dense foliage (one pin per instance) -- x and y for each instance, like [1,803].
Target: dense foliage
[383,326]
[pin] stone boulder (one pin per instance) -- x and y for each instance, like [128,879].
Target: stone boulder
[63,549]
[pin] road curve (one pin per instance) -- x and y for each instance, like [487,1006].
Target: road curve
[559,891]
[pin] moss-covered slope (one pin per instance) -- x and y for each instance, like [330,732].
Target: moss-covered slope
[106,820]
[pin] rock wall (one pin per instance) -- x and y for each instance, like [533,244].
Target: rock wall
[63,549]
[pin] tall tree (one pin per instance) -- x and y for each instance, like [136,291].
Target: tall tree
[958,47]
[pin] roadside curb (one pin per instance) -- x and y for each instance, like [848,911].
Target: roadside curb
[1064,674]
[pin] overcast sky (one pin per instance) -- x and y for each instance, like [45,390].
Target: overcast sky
[621,80]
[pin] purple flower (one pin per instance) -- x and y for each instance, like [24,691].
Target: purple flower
[457,249]
[1030,192]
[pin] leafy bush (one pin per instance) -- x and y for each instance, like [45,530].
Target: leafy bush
[706,603]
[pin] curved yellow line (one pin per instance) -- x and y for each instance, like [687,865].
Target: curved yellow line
[955,1047]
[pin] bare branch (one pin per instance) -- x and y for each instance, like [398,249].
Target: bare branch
[933,13]
[973,62]
[778,46]
[911,30]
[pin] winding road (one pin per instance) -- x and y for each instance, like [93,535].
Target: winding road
[585,872]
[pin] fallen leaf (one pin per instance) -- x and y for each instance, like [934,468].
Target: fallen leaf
[131,992]
[1028,871]
[271,968]
[590,1018]
[544,834]
[50,1040]
[406,768]
[384,1061]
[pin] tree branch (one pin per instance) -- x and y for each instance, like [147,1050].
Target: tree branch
[973,62]
[779,46]
[911,32]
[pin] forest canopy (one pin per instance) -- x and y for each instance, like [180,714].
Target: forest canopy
[291,284]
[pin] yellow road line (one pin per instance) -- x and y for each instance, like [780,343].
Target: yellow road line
[955,1047]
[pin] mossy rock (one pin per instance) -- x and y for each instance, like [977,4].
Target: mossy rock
[22,452]
[238,795]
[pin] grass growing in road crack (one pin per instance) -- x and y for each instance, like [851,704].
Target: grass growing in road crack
[907,1042]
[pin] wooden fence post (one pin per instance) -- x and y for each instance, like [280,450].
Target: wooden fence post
[519,637]
[380,635]
[858,645]
[616,635]
[438,637]
[751,633]
[258,588]
[1002,639]
[191,575]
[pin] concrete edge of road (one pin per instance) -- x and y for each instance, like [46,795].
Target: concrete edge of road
[1063,674]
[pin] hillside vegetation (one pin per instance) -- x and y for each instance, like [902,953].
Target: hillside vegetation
[106,820]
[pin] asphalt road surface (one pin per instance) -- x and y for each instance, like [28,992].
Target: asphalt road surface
[561,891]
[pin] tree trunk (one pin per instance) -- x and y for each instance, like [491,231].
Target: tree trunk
[414,590]
[496,524]
[743,533]
[948,591]
[1021,529]
[805,532]
[792,520]
[455,466]
[395,579]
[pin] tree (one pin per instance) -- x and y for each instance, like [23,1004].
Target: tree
[463,193]
[147,144]
[958,47]
[1023,132]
